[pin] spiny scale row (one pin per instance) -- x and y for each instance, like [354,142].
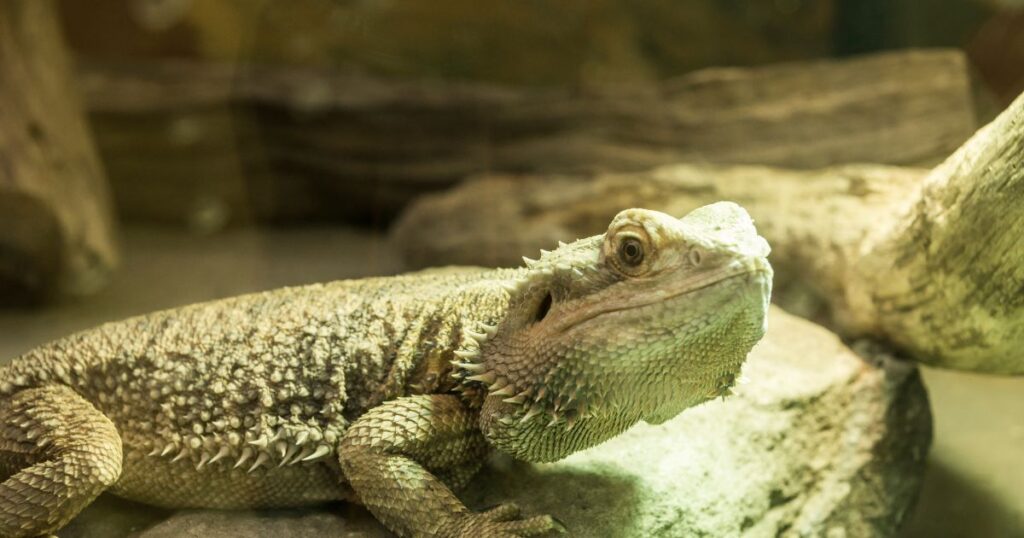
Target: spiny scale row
[552,261]
[468,371]
[469,367]
[547,265]
[466,367]
[284,446]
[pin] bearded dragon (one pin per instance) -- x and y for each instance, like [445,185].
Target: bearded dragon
[387,391]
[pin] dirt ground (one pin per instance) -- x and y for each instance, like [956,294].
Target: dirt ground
[974,486]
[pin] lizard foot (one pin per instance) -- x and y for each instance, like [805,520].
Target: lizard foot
[503,521]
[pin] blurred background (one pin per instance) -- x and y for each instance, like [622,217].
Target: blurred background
[248,123]
[183,150]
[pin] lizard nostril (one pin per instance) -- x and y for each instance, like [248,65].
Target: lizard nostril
[696,256]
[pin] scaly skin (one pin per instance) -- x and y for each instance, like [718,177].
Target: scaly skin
[386,391]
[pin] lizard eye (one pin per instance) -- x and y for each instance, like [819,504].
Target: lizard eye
[631,251]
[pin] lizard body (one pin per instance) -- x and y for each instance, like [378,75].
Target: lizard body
[386,391]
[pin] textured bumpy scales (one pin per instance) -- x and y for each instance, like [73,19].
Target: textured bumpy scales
[262,381]
[386,391]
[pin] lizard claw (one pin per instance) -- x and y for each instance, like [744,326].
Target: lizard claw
[502,512]
[503,521]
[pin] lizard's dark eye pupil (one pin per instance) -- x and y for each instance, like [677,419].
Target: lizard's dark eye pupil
[631,252]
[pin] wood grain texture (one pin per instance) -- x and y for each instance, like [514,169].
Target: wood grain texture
[945,278]
[287,144]
[55,221]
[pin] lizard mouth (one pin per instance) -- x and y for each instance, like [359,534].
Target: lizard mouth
[750,269]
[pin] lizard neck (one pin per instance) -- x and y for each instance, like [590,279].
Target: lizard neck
[443,330]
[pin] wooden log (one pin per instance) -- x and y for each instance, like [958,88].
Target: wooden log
[945,278]
[361,147]
[934,266]
[55,221]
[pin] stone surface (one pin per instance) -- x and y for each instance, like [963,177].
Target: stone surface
[820,441]
[271,524]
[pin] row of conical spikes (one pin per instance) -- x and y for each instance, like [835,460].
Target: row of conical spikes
[284,446]
[467,365]
[560,410]
[549,263]
[471,370]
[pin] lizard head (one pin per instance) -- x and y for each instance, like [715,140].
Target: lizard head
[653,316]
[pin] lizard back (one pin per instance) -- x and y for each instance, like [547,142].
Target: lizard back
[265,382]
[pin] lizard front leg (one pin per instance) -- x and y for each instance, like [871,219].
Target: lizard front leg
[58,453]
[392,457]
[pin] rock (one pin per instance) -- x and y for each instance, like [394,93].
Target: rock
[821,441]
[110,516]
[348,522]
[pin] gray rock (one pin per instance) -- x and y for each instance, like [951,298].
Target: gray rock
[821,441]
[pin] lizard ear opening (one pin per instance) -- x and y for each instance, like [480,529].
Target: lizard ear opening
[543,308]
